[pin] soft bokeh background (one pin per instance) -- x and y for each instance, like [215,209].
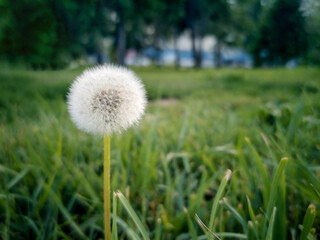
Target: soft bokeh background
[231,85]
[55,34]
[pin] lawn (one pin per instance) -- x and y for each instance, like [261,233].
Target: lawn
[263,125]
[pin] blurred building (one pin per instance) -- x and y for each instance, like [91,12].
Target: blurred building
[179,52]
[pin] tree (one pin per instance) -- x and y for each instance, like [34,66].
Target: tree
[152,12]
[25,37]
[141,23]
[49,33]
[205,16]
[311,10]
[220,25]
[124,12]
[130,25]
[282,34]
[175,14]
[165,17]
[196,19]
[245,15]
[81,25]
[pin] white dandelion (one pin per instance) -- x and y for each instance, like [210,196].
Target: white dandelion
[103,100]
[106,99]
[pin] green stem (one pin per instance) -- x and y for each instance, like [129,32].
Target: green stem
[106,188]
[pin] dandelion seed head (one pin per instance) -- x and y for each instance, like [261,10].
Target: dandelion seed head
[106,99]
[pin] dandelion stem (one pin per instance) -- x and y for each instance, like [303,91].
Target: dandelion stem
[106,188]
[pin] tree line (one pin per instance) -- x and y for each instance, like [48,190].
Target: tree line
[52,33]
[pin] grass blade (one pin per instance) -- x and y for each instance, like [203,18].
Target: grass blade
[158,229]
[133,215]
[18,177]
[226,235]
[308,221]
[192,230]
[64,211]
[129,232]
[218,197]
[262,169]
[253,218]
[271,224]
[274,187]
[232,235]
[236,214]
[205,228]
[114,218]
[316,191]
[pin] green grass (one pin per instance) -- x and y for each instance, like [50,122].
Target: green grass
[264,125]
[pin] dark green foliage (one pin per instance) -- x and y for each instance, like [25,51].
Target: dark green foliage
[282,34]
[313,30]
[49,34]
[43,34]
[29,34]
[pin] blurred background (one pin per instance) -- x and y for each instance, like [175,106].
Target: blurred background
[54,34]
[231,84]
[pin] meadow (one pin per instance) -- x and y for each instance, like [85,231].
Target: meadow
[262,124]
